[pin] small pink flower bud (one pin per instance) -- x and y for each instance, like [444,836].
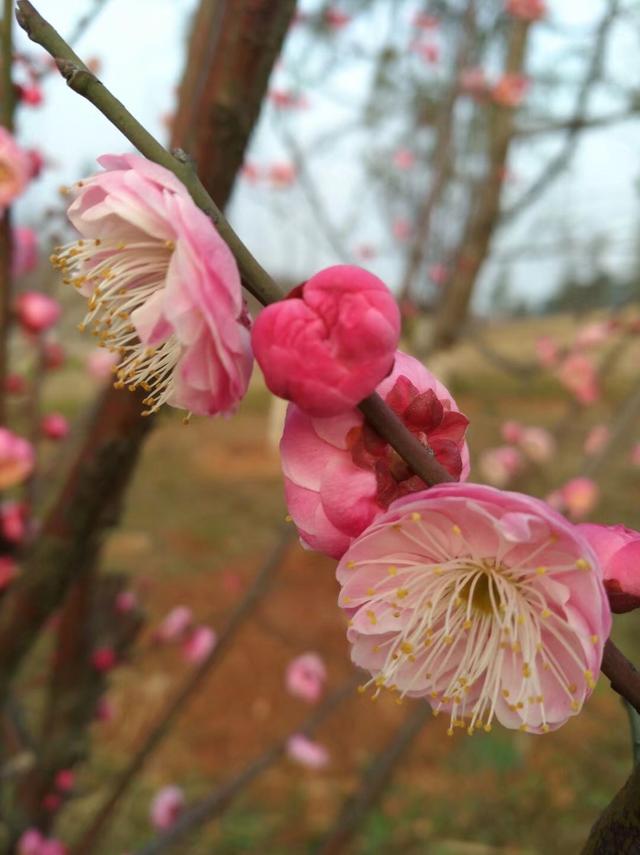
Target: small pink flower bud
[526,10]
[597,439]
[103,659]
[510,90]
[30,842]
[306,752]
[166,807]
[51,802]
[618,549]
[331,342]
[13,521]
[54,426]
[580,496]
[54,355]
[198,644]
[15,384]
[126,602]
[8,571]
[37,312]
[15,169]
[101,363]
[175,624]
[65,780]
[24,258]
[16,459]
[403,159]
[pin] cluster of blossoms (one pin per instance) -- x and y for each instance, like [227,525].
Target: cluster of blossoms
[490,605]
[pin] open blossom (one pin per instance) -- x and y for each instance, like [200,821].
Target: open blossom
[618,550]
[37,312]
[488,604]
[339,474]
[577,373]
[578,497]
[166,807]
[331,342]
[510,90]
[306,752]
[175,624]
[597,439]
[499,465]
[15,169]
[163,287]
[526,10]
[198,644]
[16,459]
[305,677]
[101,363]
[537,443]
[24,256]
[593,335]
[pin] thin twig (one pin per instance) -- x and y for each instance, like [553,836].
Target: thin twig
[174,708]
[219,799]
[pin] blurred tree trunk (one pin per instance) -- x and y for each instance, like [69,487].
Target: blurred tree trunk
[233,47]
[485,212]
[617,831]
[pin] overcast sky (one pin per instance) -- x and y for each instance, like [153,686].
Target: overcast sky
[141,47]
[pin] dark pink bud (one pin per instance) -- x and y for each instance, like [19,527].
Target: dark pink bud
[37,312]
[54,426]
[103,659]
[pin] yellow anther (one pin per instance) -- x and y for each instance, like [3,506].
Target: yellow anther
[393,570]
[370,592]
[595,639]
[545,613]
[406,647]
[456,529]
[541,570]
[583,564]
[288,518]
[350,565]
[372,617]
[415,516]
[526,670]
[401,593]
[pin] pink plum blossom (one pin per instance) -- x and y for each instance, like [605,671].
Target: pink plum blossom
[175,624]
[331,342]
[54,426]
[37,312]
[473,81]
[16,459]
[30,842]
[618,550]
[284,100]
[198,644]
[104,659]
[101,363]
[577,373]
[339,474]
[499,465]
[306,752]
[597,439]
[511,432]
[510,90]
[15,169]
[53,355]
[282,175]
[126,602]
[8,571]
[403,158]
[538,444]
[635,455]
[65,780]
[423,21]
[429,52]
[166,807]
[336,19]
[30,95]
[488,604]
[305,677]
[13,515]
[526,10]
[547,351]
[579,497]
[593,335]
[24,256]
[401,229]
[438,273]
[15,384]
[163,287]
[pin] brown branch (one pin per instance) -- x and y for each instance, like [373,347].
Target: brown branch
[168,716]
[92,494]
[373,783]
[219,799]
[484,215]
[441,158]
[558,164]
